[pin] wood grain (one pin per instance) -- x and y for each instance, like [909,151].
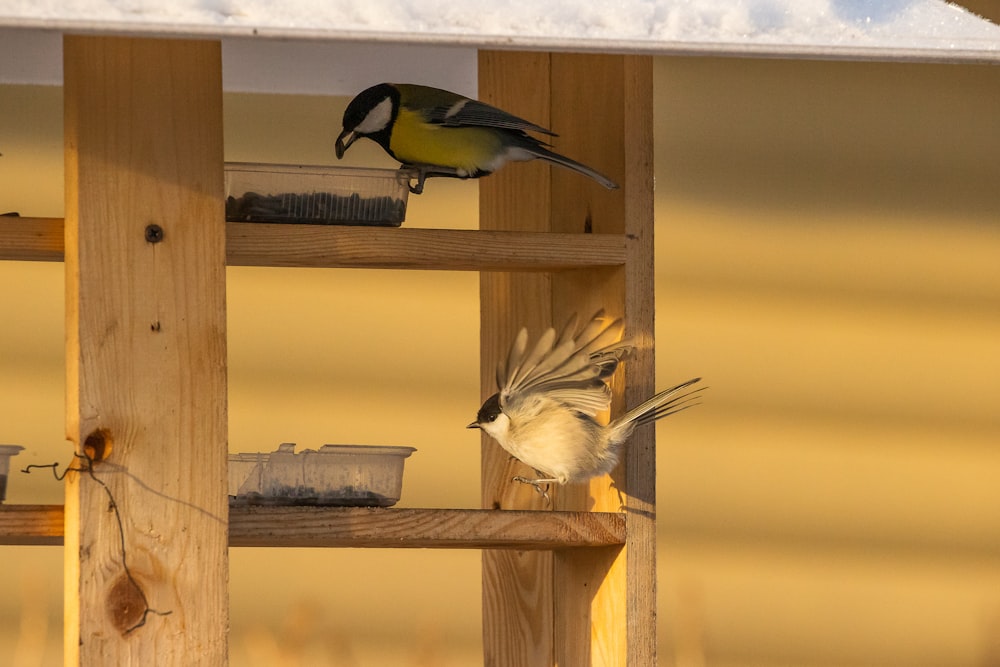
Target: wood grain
[146,353]
[601,109]
[31,239]
[640,372]
[517,586]
[31,524]
[603,589]
[41,239]
[311,245]
[590,588]
[422,528]
[363,527]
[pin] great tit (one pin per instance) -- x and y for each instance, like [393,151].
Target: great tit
[545,412]
[439,133]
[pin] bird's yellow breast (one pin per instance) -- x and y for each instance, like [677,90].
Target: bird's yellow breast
[468,149]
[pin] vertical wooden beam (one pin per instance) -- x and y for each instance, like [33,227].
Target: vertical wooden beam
[587,114]
[602,604]
[640,306]
[146,522]
[517,585]
[514,199]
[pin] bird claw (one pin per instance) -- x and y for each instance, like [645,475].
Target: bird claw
[537,483]
[424,171]
[419,187]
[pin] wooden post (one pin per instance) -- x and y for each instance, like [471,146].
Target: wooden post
[517,585]
[574,607]
[146,520]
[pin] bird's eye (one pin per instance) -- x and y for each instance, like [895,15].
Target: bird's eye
[493,417]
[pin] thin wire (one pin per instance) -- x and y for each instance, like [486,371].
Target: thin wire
[121,530]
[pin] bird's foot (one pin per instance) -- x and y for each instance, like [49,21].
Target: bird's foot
[419,187]
[424,171]
[541,485]
[622,505]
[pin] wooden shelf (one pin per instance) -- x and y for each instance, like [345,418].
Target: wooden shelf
[257,244]
[31,524]
[31,239]
[423,528]
[368,527]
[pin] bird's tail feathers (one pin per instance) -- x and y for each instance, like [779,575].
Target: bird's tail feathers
[563,161]
[667,402]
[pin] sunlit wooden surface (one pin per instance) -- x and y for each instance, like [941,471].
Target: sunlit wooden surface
[826,248]
[331,246]
[363,527]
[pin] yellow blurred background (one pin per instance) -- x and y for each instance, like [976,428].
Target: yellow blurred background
[828,258]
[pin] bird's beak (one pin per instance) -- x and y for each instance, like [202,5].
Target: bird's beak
[473,425]
[344,141]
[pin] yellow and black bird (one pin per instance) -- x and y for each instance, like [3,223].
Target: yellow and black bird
[440,133]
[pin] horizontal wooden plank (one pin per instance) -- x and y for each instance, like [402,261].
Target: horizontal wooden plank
[31,239]
[404,248]
[332,246]
[31,524]
[423,528]
[368,527]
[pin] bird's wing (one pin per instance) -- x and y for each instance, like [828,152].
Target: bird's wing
[585,400]
[569,367]
[468,112]
[443,107]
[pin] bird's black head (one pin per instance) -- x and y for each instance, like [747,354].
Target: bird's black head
[370,114]
[489,412]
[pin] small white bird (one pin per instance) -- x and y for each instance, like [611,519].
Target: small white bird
[545,412]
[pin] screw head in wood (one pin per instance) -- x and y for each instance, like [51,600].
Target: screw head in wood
[154,233]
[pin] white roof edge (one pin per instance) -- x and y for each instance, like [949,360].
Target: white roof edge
[504,42]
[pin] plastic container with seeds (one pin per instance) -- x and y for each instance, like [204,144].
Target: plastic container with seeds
[344,475]
[6,452]
[315,194]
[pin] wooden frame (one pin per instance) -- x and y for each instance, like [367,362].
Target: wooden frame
[574,607]
[145,353]
[313,246]
[569,581]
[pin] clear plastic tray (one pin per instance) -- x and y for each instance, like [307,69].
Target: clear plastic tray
[335,475]
[6,452]
[316,195]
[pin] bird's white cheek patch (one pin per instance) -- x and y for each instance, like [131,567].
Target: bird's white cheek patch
[498,428]
[377,118]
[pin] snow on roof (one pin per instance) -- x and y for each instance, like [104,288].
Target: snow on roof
[879,29]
